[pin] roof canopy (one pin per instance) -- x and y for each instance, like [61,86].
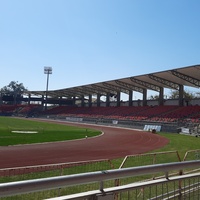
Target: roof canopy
[172,79]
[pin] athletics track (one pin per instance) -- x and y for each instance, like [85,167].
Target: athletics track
[114,142]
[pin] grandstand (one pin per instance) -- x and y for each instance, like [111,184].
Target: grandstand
[101,102]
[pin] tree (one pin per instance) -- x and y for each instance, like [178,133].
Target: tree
[197,95]
[174,94]
[186,94]
[14,89]
[154,97]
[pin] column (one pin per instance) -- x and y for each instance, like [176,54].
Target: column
[130,98]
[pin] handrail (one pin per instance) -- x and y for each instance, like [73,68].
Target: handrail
[27,186]
[149,154]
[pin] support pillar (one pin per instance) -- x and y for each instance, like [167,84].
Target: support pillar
[161,96]
[82,101]
[118,98]
[29,99]
[42,101]
[60,101]
[90,100]
[181,89]
[74,100]
[130,98]
[98,100]
[144,97]
[1,101]
[107,99]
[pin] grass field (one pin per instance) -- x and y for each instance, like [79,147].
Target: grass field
[45,132]
[54,132]
[180,143]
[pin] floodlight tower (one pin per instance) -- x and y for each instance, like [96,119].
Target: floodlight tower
[47,70]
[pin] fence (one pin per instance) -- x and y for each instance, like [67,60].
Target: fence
[93,165]
[42,171]
[192,155]
[178,186]
[150,158]
[58,170]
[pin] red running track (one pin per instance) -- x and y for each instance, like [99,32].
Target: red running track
[113,143]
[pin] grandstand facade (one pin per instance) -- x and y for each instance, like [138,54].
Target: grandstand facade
[85,102]
[175,79]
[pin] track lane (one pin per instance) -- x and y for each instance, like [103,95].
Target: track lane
[114,143]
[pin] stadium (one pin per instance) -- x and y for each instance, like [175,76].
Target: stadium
[99,106]
[101,103]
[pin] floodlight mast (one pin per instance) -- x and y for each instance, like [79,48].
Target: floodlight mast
[47,70]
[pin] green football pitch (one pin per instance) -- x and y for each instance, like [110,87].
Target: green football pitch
[14,131]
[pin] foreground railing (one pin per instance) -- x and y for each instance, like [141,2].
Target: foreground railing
[167,185]
[151,190]
[59,169]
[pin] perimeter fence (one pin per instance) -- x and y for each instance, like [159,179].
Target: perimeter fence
[9,175]
[42,171]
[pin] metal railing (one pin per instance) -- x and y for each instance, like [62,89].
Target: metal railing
[168,185]
[68,168]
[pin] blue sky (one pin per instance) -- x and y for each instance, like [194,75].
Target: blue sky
[90,41]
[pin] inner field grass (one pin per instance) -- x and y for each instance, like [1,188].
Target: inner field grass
[179,142]
[46,132]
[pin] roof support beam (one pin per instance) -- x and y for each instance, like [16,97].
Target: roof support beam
[164,81]
[78,91]
[88,90]
[116,88]
[63,93]
[192,80]
[129,86]
[103,90]
[145,84]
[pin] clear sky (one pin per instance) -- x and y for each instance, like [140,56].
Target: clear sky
[90,41]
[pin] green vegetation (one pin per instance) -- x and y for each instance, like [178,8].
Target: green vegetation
[180,143]
[55,132]
[46,132]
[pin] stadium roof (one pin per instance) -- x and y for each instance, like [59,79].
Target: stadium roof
[172,79]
